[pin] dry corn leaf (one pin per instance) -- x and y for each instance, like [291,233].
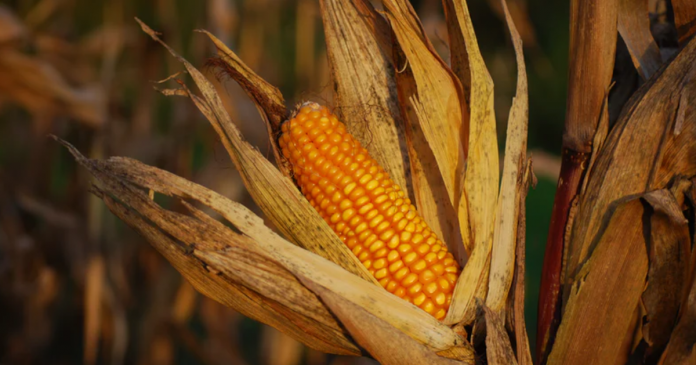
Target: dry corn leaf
[364,85]
[512,187]
[256,272]
[634,27]
[275,194]
[606,293]
[684,19]
[644,151]
[182,240]
[477,210]
[669,255]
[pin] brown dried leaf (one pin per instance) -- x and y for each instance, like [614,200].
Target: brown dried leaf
[256,272]
[365,89]
[275,194]
[605,293]
[684,19]
[641,152]
[669,256]
[634,27]
[513,186]
[184,241]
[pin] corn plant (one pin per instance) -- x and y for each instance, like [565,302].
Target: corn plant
[396,234]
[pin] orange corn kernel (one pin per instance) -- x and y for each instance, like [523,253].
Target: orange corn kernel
[367,210]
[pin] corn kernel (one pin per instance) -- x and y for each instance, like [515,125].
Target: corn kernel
[370,214]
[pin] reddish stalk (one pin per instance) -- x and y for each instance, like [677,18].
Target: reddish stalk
[550,290]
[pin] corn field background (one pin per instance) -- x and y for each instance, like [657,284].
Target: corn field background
[79,286]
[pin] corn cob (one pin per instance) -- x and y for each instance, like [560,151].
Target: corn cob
[367,210]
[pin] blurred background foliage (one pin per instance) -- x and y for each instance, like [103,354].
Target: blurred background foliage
[76,285]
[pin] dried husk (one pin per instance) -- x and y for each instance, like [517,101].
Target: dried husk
[256,271]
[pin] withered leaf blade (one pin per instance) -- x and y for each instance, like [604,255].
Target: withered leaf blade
[512,187]
[642,152]
[634,27]
[275,194]
[669,255]
[364,84]
[158,227]
[257,272]
[605,293]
